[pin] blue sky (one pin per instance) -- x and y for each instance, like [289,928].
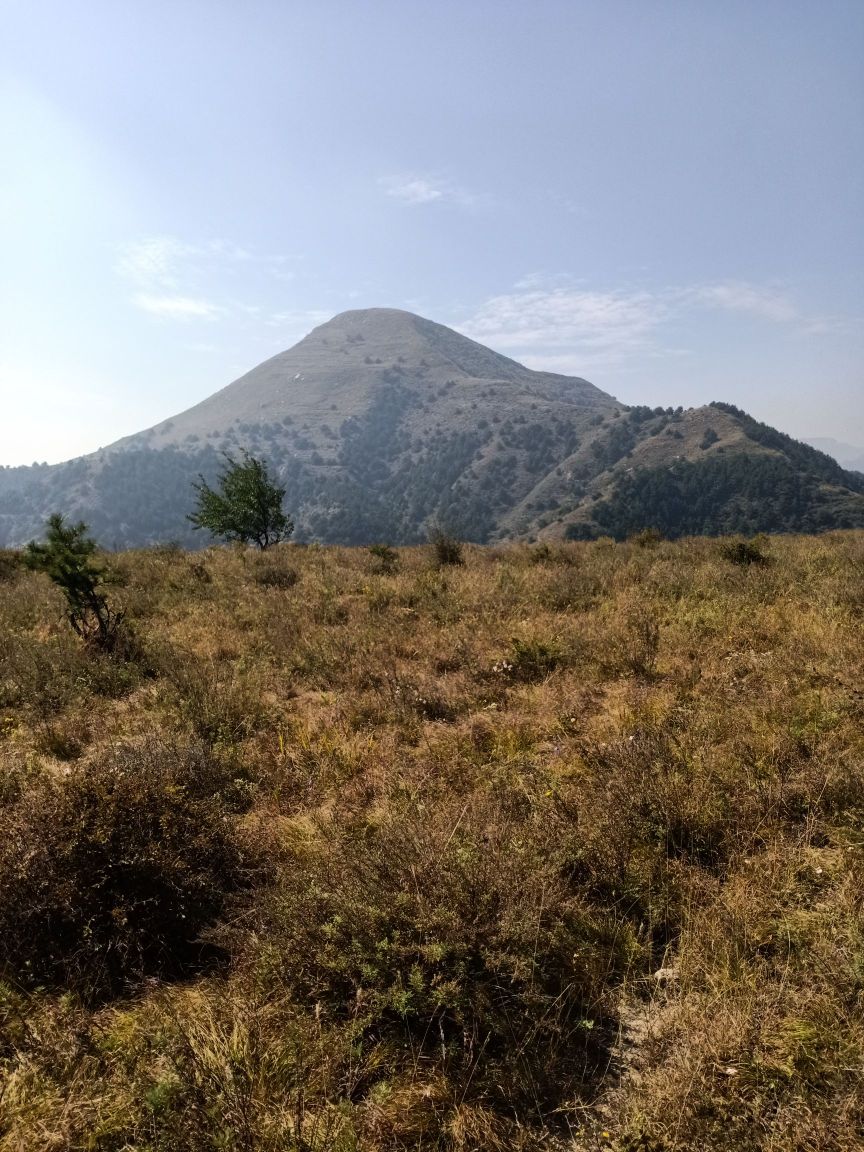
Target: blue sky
[664,196]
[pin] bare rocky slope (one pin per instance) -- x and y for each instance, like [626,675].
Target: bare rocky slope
[381,424]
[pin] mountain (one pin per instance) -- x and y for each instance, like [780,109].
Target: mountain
[849,456]
[381,424]
[710,471]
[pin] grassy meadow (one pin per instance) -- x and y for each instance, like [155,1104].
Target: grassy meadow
[559,847]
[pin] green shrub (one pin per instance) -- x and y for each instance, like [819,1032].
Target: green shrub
[451,933]
[110,874]
[647,538]
[215,698]
[529,660]
[387,558]
[744,553]
[66,558]
[11,563]
[446,549]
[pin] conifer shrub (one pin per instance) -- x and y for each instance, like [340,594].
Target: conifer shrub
[111,873]
[67,559]
[446,549]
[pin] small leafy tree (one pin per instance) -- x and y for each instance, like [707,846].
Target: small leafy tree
[66,557]
[247,506]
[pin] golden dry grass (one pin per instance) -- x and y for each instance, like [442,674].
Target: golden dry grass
[560,848]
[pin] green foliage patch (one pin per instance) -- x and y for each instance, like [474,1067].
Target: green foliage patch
[247,507]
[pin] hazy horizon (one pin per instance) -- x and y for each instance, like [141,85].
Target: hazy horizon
[662,199]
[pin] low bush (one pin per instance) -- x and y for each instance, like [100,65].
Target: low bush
[10,565]
[110,873]
[744,553]
[618,906]
[631,641]
[647,538]
[200,573]
[451,934]
[529,660]
[271,575]
[213,698]
[386,558]
[446,549]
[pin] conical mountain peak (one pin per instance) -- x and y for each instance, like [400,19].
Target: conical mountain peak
[382,333]
[381,423]
[345,363]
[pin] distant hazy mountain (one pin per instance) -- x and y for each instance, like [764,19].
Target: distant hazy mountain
[381,424]
[849,456]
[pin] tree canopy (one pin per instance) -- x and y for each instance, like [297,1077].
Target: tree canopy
[246,506]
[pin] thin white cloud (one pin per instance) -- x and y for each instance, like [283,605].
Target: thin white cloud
[565,203]
[554,324]
[411,189]
[224,250]
[545,280]
[201,347]
[153,262]
[167,274]
[763,301]
[769,302]
[299,321]
[414,189]
[568,318]
[177,307]
[166,261]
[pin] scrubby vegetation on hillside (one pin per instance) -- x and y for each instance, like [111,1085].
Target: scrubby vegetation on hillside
[385,448]
[735,492]
[557,847]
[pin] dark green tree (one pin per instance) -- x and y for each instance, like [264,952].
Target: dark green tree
[247,506]
[66,557]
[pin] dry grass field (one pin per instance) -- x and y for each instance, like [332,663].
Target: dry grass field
[557,848]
